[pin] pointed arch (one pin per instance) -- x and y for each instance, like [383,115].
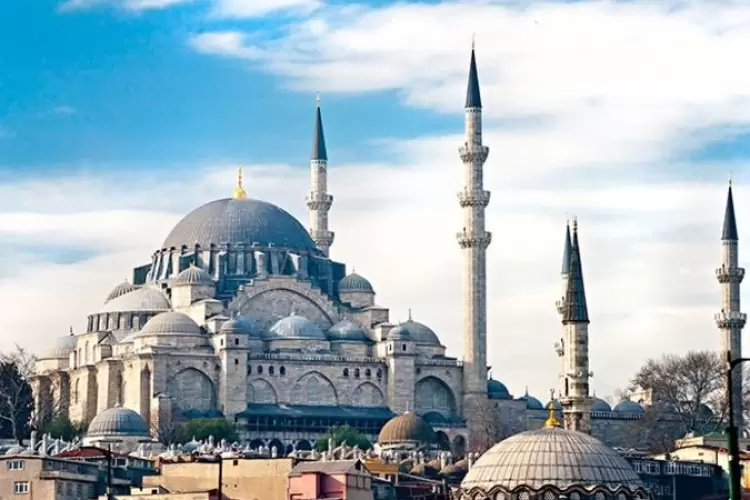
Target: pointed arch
[314,388]
[262,392]
[368,394]
[191,389]
[432,394]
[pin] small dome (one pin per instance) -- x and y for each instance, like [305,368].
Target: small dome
[62,348]
[533,403]
[117,422]
[628,406]
[555,403]
[241,324]
[406,428]
[355,283]
[144,299]
[170,323]
[297,327]
[193,275]
[121,289]
[399,333]
[600,405]
[347,331]
[555,458]
[497,390]
[421,333]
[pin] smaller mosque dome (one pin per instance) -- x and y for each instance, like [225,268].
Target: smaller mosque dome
[241,324]
[533,403]
[497,390]
[421,333]
[297,327]
[347,331]
[144,299]
[170,323]
[628,406]
[600,405]
[117,422]
[62,348]
[555,404]
[399,332]
[121,289]
[193,275]
[355,283]
[405,429]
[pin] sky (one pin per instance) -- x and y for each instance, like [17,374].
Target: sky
[117,117]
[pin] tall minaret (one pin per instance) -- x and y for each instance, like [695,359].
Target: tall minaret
[560,304]
[474,240]
[730,320]
[319,201]
[575,318]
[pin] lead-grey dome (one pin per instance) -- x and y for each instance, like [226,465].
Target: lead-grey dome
[247,221]
[62,348]
[121,422]
[297,327]
[121,289]
[355,283]
[600,405]
[193,275]
[552,458]
[421,333]
[241,325]
[144,299]
[628,406]
[347,331]
[170,323]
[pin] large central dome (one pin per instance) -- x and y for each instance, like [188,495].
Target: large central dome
[233,220]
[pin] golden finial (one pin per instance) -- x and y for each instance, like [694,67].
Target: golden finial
[551,420]
[239,191]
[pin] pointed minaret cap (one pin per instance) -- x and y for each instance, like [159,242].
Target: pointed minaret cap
[729,232]
[552,419]
[567,250]
[319,141]
[576,310]
[473,98]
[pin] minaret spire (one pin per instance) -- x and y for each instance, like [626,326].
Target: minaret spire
[473,240]
[575,399]
[319,201]
[560,303]
[730,320]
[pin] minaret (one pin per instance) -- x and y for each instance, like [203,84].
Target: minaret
[560,304]
[575,319]
[730,320]
[319,201]
[474,240]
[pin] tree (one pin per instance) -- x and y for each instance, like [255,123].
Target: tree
[61,427]
[203,428]
[16,397]
[344,434]
[488,425]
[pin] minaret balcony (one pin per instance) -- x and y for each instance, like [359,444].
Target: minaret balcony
[560,305]
[471,239]
[319,201]
[730,319]
[730,274]
[473,198]
[473,153]
[322,238]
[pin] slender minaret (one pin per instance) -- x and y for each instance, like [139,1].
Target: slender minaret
[319,201]
[474,240]
[730,320]
[575,319]
[560,304]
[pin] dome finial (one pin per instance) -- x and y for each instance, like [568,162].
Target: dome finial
[239,191]
[71,329]
[473,40]
[410,314]
[551,420]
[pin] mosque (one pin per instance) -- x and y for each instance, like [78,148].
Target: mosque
[242,313]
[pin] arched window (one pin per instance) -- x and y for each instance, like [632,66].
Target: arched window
[237,341]
[356,373]
[379,373]
[403,347]
[270,370]
[368,373]
[260,370]
[282,371]
[346,372]
[249,369]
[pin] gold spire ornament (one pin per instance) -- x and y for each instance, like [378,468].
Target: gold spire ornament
[551,420]
[239,191]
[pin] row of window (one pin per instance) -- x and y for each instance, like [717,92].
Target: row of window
[20,487]
[271,370]
[76,490]
[15,464]
[368,373]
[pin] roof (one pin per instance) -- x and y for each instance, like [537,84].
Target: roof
[347,330]
[297,327]
[120,289]
[473,98]
[118,422]
[729,231]
[144,299]
[235,221]
[90,452]
[567,249]
[354,282]
[170,323]
[193,275]
[302,411]
[319,141]
[575,308]
[61,349]
[406,428]
[332,467]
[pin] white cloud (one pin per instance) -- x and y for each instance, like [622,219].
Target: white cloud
[132,5]
[259,8]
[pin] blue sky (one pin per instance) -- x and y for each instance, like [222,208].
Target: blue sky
[119,116]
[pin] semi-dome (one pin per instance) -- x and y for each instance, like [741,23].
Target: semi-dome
[144,299]
[421,333]
[628,406]
[556,460]
[297,327]
[62,348]
[193,275]
[355,283]
[170,323]
[408,428]
[347,331]
[121,289]
[121,422]
[497,390]
[600,405]
[234,221]
[241,325]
